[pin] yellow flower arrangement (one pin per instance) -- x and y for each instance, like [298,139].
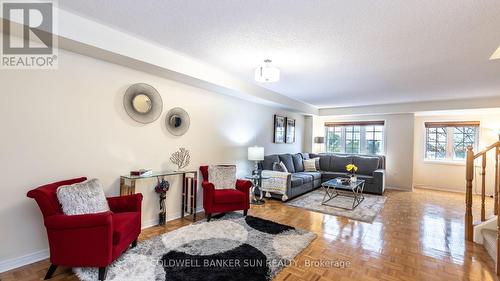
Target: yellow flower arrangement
[351,168]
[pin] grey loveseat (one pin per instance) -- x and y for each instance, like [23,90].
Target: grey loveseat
[371,169]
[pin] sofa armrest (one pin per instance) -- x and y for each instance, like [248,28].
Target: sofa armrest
[244,186]
[81,240]
[104,219]
[276,174]
[128,203]
[379,179]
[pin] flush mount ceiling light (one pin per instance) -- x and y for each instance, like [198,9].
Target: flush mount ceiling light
[496,54]
[267,72]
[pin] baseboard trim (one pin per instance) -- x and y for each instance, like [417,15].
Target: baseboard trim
[14,263]
[421,186]
[10,264]
[397,188]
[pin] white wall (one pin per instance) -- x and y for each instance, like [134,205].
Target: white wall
[398,144]
[452,176]
[70,122]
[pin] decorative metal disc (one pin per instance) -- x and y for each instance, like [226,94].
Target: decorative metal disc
[177,121]
[143,103]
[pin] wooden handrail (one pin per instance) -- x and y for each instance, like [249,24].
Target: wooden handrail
[484,151]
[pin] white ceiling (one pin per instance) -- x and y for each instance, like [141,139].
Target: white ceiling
[331,53]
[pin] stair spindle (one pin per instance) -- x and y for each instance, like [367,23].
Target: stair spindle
[469,177]
[483,187]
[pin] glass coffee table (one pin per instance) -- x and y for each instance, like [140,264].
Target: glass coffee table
[334,188]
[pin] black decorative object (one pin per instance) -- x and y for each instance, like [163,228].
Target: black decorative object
[161,188]
[177,121]
[143,103]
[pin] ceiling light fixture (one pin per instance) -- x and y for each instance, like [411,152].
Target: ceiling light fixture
[267,72]
[496,54]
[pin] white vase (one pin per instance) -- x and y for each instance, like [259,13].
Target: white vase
[354,179]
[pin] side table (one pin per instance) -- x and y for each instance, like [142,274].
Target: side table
[256,179]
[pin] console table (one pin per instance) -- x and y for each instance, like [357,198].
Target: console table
[189,187]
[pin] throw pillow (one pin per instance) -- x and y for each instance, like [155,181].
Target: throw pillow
[280,167]
[223,177]
[317,163]
[82,198]
[310,165]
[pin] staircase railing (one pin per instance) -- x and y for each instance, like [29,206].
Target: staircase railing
[469,176]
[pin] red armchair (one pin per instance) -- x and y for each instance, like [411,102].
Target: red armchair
[224,200]
[92,240]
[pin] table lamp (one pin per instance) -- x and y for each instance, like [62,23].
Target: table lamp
[256,153]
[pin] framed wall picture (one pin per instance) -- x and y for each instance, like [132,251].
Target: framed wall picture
[290,130]
[279,129]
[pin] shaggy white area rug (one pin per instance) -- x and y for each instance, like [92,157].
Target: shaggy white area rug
[231,247]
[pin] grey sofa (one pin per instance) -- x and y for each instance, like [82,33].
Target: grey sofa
[371,169]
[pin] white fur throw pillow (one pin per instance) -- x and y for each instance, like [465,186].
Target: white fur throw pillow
[82,198]
[310,165]
[223,177]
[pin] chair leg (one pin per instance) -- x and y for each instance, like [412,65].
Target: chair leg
[50,272]
[102,273]
[134,243]
[245,212]
[209,216]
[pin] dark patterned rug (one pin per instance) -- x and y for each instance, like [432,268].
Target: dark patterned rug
[230,247]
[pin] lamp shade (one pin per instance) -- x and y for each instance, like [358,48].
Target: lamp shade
[255,153]
[319,140]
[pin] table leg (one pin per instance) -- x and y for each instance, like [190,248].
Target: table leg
[183,204]
[195,194]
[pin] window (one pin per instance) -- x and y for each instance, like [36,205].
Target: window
[448,141]
[365,137]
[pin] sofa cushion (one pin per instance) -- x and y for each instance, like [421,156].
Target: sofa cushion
[314,175]
[229,196]
[123,224]
[324,162]
[288,161]
[305,177]
[267,163]
[82,198]
[296,181]
[339,162]
[366,165]
[297,162]
[279,167]
[305,155]
[222,176]
[310,165]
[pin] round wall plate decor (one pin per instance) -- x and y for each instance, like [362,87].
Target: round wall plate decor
[177,121]
[142,103]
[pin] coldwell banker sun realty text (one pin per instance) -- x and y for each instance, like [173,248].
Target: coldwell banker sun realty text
[28,40]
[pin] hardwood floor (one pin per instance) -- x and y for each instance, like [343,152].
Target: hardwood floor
[417,236]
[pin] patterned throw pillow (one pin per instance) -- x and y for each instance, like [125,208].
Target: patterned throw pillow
[82,198]
[280,167]
[223,177]
[310,165]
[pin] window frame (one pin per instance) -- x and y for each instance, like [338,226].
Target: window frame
[450,140]
[362,147]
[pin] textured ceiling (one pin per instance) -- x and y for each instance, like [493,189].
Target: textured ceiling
[331,53]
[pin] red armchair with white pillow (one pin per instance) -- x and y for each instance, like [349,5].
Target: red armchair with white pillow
[91,239]
[222,192]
